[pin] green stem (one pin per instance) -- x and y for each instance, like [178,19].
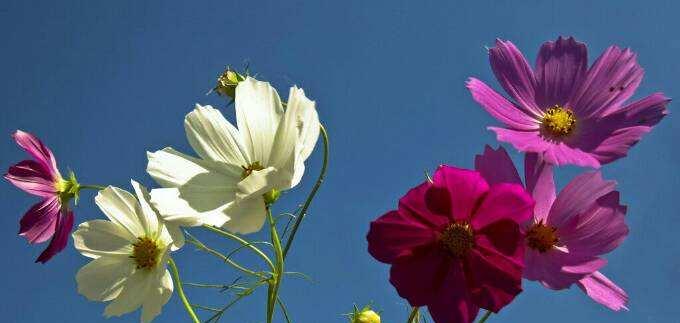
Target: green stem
[485,317]
[310,197]
[414,313]
[278,271]
[242,242]
[180,291]
[224,258]
[92,187]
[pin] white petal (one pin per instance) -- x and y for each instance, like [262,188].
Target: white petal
[157,297]
[258,113]
[176,236]
[192,207]
[103,279]
[171,168]
[147,215]
[213,137]
[257,183]
[246,215]
[134,292]
[121,207]
[98,238]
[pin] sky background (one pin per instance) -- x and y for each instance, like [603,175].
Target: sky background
[101,83]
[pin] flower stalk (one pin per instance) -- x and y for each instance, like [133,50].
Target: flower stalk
[180,291]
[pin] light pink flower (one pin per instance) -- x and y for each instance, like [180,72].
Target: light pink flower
[569,231]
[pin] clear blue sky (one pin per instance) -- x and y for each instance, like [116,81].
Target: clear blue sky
[103,82]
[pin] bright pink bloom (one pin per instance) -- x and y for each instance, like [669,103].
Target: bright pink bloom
[562,109]
[569,232]
[49,218]
[455,244]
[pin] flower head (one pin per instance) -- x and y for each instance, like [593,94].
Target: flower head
[455,244]
[129,252]
[568,113]
[569,231]
[237,167]
[50,218]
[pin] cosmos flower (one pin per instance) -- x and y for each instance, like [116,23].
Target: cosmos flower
[129,254]
[225,186]
[455,244]
[50,218]
[565,111]
[569,231]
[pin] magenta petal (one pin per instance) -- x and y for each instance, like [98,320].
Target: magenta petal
[465,188]
[43,155]
[500,108]
[560,67]
[560,154]
[647,111]
[611,80]
[427,204]
[39,223]
[577,197]
[493,279]
[419,278]
[29,176]
[60,239]
[547,267]
[514,74]
[505,238]
[396,234]
[618,143]
[604,291]
[504,201]
[540,183]
[496,166]
[453,304]
[526,141]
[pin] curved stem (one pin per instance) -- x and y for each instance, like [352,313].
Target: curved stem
[278,272]
[485,317]
[243,242]
[92,187]
[224,258]
[180,291]
[414,313]
[312,193]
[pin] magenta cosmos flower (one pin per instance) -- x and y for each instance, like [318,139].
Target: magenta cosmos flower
[568,232]
[50,218]
[455,244]
[569,113]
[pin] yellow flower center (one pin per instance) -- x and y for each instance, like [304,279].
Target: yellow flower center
[247,170]
[145,252]
[559,121]
[458,238]
[542,237]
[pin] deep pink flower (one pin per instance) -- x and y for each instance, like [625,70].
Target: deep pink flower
[455,244]
[568,232]
[562,109]
[51,217]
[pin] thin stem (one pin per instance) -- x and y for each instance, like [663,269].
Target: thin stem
[415,312]
[312,193]
[273,291]
[485,317]
[92,187]
[242,242]
[283,309]
[180,291]
[224,258]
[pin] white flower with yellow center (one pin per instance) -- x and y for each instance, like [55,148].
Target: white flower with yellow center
[225,186]
[129,252]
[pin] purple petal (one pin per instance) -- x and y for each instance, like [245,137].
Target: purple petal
[647,111]
[611,80]
[604,291]
[39,223]
[396,234]
[34,147]
[538,176]
[514,74]
[618,143]
[525,141]
[499,107]
[496,166]
[548,267]
[560,153]
[60,239]
[560,67]
[577,197]
[29,176]
[464,187]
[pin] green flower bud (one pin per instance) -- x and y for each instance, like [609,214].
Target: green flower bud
[271,196]
[365,315]
[227,81]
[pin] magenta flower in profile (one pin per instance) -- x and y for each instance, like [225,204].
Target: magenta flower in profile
[565,111]
[50,218]
[455,244]
[568,232]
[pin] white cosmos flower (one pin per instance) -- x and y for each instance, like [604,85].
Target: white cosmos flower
[224,187]
[129,252]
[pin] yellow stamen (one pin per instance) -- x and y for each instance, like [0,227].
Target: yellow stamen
[458,238]
[542,237]
[247,170]
[145,253]
[559,121]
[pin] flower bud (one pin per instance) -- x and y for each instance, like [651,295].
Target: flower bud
[271,196]
[366,315]
[227,81]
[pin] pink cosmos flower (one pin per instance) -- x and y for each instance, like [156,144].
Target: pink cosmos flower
[50,218]
[569,113]
[569,232]
[455,244]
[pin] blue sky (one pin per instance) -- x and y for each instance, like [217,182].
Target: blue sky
[104,82]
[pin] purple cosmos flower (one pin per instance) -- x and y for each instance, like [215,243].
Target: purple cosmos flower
[569,231]
[562,109]
[51,217]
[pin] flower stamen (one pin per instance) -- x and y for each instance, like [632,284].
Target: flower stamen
[542,237]
[559,121]
[247,170]
[145,253]
[457,238]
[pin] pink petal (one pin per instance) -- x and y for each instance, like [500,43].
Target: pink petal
[604,291]
[514,74]
[560,67]
[464,188]
[561,154]
[39,223]
[540,183]
[452,304]
[548,267]
[29,176]
[493,279]
[525,141]
[496,166]
[611,80]
[577,197]
[43,155]
[427,204]
[618,143]
[499,107]
[504,201]
[60,239]
[419,278]
[396,234]
[647,111]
